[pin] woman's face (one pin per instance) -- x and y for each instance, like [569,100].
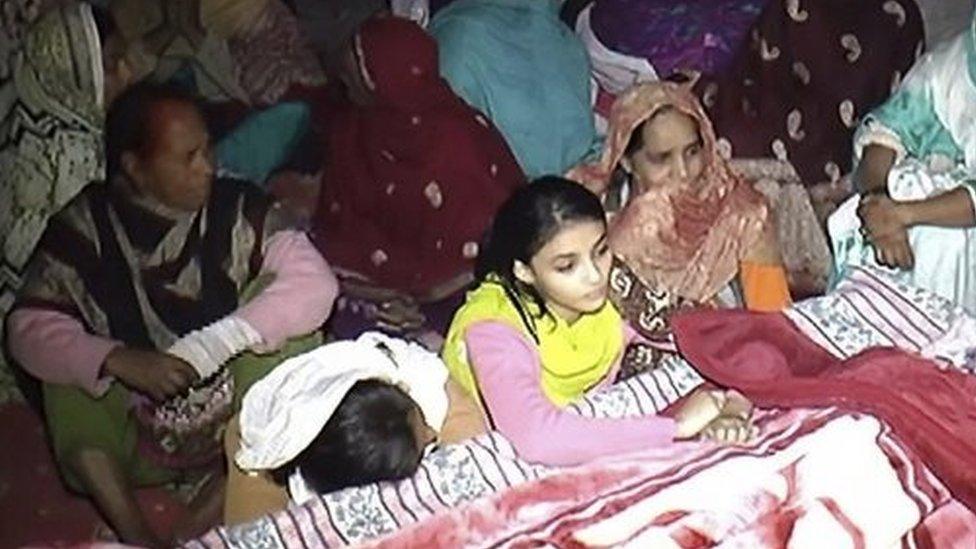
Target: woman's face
[671,154]
[572,270]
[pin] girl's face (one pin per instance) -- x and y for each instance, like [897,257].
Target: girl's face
[572,270]
[672,151]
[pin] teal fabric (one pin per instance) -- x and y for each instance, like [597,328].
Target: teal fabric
[911,111]
[971,50]
[263,141]
[931,114]
[515,61]
[910,114]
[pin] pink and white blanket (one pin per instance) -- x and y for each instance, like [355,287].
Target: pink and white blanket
[813,478]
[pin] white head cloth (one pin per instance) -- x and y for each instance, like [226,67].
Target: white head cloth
[284,412]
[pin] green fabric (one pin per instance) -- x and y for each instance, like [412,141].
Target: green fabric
[516,62]
[76,420]
[250,367]
[264,141]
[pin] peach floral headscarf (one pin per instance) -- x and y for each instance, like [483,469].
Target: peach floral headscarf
[685,238]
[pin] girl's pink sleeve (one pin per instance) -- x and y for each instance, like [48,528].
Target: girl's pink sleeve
[507,369]
[300,297]
[631,335]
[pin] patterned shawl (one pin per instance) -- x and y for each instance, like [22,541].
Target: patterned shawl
[136,271]
[61,70]
[199,44]
[685,239]
[50,138]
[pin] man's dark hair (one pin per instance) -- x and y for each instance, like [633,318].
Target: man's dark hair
[367,439]
[129,122]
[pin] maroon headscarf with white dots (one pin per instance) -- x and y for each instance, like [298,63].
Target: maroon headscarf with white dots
[413,178]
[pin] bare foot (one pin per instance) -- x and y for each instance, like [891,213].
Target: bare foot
[103,479]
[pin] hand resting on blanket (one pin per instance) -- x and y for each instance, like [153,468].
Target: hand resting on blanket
[718,415]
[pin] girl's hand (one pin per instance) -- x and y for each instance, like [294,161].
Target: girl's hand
[734,425]
[737,405]
[701,409]
[730,430]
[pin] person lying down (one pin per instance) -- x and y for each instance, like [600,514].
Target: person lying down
[356,412]
[348,413]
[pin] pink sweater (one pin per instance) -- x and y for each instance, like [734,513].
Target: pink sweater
[298,301]
[506,366]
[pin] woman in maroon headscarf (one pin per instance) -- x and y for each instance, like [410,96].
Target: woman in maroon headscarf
[413,174]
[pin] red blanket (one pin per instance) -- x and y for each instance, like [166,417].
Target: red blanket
[931,410]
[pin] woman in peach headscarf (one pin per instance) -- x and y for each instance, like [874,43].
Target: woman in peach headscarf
[688,225]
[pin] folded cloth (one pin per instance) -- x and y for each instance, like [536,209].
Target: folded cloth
[284,412]
[209,348]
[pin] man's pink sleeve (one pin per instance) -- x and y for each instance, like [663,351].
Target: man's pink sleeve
[507,369]
[55,347]
[300,297]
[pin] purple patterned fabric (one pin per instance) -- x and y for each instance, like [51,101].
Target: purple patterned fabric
[701,35]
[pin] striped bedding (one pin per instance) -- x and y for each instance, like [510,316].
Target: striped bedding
[791,485]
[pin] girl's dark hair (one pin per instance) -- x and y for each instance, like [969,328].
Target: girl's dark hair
[530,217]
[128,123]
[367,439]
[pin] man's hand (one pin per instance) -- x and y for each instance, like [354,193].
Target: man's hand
[158,375]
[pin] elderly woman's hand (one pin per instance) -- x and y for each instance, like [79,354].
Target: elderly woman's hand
[884,226]
[880,216]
